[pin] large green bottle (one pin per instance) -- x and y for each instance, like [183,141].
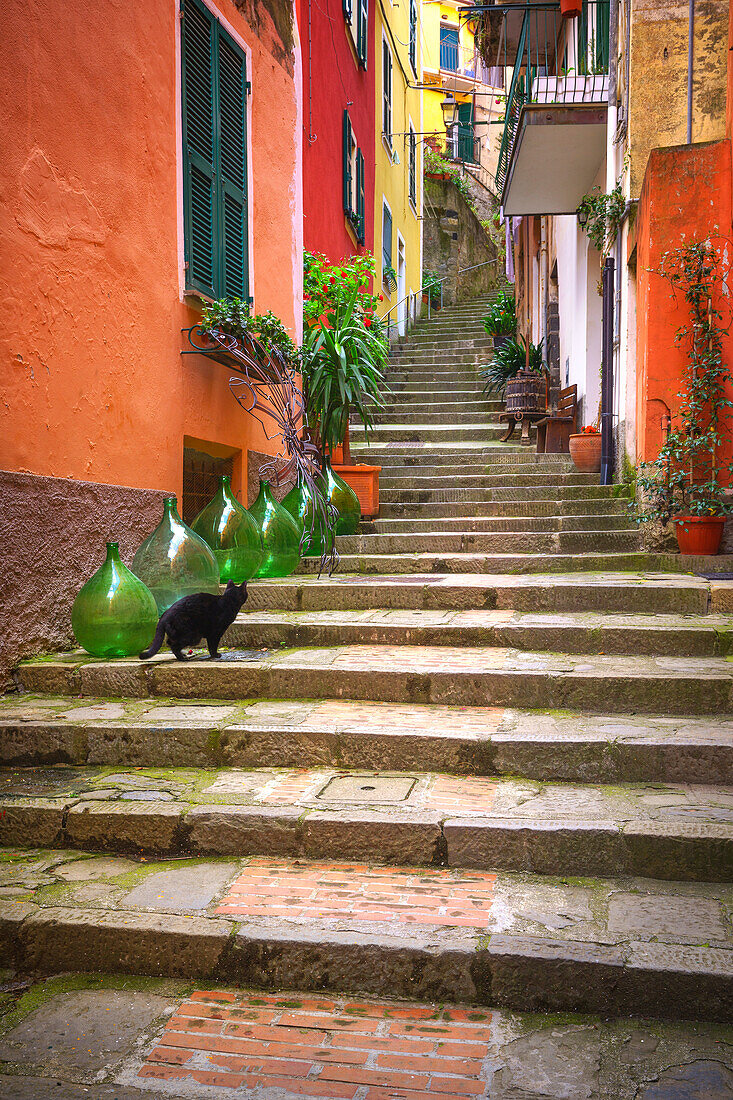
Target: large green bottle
[280,535]
[114,614]
[299,503]
[174,561]
[344,500]
[231,532]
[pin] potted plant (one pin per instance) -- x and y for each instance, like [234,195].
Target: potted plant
[571,8]
[431,288]
[687,484]
[501,320]
[585,449]
[258,332]
[342,358]
[524,387]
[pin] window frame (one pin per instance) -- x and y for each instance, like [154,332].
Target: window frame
[218,167]
[412,164]
[387,83]
[353,178]
[387,259]
[412,40]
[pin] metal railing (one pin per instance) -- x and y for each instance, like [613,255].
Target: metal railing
[413,298]
[556,61]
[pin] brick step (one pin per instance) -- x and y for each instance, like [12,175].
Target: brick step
[501,478]
[586,632]
[489,524]
[341,733]
[645,592]
[498,507]
[683,832]
[597,540]
[478,676]
[606,946]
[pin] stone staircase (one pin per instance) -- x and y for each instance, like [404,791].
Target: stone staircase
[489,762]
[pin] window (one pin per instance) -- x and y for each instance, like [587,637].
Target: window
[386,93]
[356,13]
[413,34]
[386,243]
[464,134]
[353,177]
[412,165]
[449,48]
[214,97]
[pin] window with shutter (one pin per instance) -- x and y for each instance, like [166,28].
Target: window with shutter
[413,34]
[363,31]
[347,142]
[215,89]
[347,9]
[386,93]
[360,205]
[386,237]
[412,165]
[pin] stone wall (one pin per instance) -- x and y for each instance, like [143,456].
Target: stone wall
[453,239]
[52,534]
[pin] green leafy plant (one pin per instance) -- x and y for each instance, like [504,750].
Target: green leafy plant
[508,361]
[342,356]
[431,286]
[233,316]
[687,478]
[501,320]
[604,213]
[327,286]
[434,164]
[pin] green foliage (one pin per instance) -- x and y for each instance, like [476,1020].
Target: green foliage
[343,356]
[327,286]
[431,286]
[508,361]
[233,316]
[685,478]
[501,320]
[389,277]
[604,212]
[434,163]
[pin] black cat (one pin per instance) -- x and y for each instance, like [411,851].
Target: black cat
[195,617]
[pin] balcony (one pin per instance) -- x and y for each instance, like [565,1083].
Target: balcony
[554,139]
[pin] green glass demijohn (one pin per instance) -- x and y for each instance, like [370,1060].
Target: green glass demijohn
[299,503]
[344,500]
[114,614]
[231,532]
[280,535]
[174,561]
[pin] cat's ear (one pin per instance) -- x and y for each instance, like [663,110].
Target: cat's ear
[243,588]
[230,586]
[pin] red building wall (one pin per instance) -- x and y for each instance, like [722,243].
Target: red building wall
[333,81]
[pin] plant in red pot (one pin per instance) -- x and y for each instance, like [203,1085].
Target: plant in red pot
[688,485]
[571,9]
[585,450]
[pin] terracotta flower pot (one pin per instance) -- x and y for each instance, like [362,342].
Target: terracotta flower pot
[364,480]
[699,534]
[585,451]
[571,8]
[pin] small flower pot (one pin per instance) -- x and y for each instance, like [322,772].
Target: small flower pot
[364,480]
[585,451]
[699,534]
[571,8]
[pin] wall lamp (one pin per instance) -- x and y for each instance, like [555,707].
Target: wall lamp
[449,107]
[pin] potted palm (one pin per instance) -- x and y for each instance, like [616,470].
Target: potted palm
[687,484]
[342,358]
[501,320]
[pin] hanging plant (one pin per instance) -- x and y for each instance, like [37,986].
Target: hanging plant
[604,214]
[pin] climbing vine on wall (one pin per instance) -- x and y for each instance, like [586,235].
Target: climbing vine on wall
[604,213]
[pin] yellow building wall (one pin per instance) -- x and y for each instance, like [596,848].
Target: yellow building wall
[391,184]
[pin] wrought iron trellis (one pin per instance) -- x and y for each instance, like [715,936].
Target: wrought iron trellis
[266,386]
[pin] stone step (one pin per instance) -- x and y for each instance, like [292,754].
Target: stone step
[341,733]
[682,832]
[489,524]
[521,490]
[565,506]
[627,592]
[597,540]
[474,467]
[385,434]
[479,676]
[410,392]
[532,478]
[443,369]
[585,632]
[446,409]
[406,414]
[502,940]
[492,459]
[465,563]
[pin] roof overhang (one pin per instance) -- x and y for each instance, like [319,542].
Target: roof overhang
[556,154]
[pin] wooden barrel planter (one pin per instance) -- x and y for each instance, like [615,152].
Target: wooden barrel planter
[526,393]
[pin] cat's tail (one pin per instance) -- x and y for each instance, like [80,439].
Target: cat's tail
[156,642]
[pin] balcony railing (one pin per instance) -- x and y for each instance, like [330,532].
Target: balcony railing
[556,61]
[449,54]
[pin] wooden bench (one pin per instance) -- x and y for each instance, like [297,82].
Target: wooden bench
[554,431]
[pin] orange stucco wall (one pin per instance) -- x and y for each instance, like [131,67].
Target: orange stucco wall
[686,196]
[93,384]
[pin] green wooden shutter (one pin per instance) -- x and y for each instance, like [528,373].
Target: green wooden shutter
[413,34]
[347,9]
[386,238]
[233,273]
[346,163]
[465,133]
[199,150]
[360,205]
[362,31]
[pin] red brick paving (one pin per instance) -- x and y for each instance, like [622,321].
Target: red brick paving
[331,891]
[326,1047]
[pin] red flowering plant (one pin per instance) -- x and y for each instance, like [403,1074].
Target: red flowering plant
[589,429]
[327,286]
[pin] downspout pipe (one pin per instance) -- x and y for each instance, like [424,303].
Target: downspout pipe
[690,60]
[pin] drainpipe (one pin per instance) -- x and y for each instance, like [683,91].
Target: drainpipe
[543,279]
[690,59]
